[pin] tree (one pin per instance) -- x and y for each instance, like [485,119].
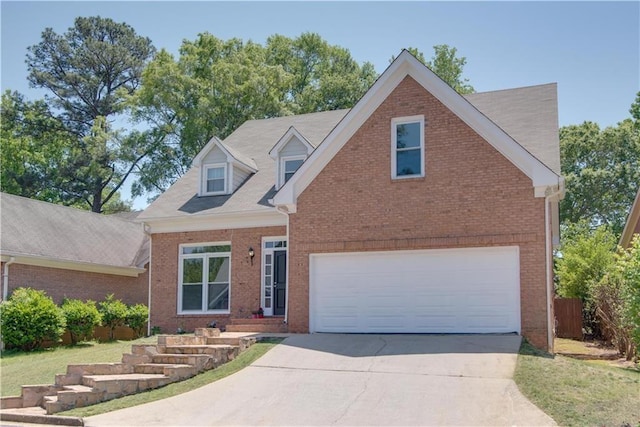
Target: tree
[446,66]
[587,254]
[32,144]
[215,85]
[90,72]
[602,172]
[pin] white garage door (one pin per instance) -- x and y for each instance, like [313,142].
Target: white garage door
[429,291]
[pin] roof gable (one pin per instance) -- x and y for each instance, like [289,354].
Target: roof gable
[290,134]
[407,65]
[233,155]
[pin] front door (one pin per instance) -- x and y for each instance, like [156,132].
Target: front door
[279,282]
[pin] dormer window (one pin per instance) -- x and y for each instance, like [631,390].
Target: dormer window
[215,176]
[289,166]
[222,168]
[290,152]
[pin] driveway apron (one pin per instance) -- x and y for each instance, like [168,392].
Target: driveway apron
[357,380]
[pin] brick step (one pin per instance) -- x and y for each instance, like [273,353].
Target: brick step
[253,327]
[272,320]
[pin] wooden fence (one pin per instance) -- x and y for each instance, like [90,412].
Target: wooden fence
[568,313]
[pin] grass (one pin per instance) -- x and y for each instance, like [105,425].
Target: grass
[40,367]
[579,393]
[243,360]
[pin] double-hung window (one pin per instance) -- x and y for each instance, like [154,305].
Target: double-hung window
[215,179]
[205,278]
[289,166]
[407,147]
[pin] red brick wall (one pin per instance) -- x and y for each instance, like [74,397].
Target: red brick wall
[245,277]
[60,283]
[471,196]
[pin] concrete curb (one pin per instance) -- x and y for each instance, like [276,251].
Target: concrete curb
[57,420]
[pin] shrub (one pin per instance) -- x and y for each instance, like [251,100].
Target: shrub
[586,256]
[137,316]
[28,318]
[114,313]
[81,317]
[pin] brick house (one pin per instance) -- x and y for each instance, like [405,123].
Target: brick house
[417,211]
[71,253]
[632,226]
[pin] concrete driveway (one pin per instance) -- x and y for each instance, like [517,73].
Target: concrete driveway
[372,380]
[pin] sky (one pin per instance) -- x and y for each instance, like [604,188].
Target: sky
[590,49]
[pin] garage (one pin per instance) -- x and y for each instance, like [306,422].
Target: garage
[470,290]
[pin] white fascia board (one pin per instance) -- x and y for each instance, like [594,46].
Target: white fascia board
[407,64]
[284,140]
[42,261]
[220,221]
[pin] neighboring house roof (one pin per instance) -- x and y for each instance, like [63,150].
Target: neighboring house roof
[525,119]
[40,233]
[633,223]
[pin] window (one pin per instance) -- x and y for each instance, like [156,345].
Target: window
[289,166]
[205,278]
[407,147]
[215,179]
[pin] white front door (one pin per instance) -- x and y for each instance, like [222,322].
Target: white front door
[274,275]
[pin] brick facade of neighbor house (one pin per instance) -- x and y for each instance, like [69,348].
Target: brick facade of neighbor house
[471,196]
[61,283]
[245,276]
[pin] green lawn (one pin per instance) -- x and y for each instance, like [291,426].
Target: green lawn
[40,367]
[579,393]
[19,368]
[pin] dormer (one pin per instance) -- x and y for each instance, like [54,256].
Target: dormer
[222,169]
[289,153]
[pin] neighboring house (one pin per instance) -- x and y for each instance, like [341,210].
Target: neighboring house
[71,253]
[633,223]
[417,211]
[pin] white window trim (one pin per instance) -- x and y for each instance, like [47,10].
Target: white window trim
[400,121]
[283,161]
[182,256]
[203,183]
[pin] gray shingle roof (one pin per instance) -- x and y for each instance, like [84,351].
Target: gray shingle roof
[529,115]
[39,229]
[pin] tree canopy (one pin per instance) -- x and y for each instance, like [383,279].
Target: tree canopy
[216,85]
[602,171]
[446,65]
[89,72]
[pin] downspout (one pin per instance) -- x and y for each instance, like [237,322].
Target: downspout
[5,278]
[145,229]
[551,196]
[285,212]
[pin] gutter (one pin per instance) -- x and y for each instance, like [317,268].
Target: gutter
[5,278]
[146,230]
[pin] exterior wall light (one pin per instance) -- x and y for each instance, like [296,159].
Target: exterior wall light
[251,254]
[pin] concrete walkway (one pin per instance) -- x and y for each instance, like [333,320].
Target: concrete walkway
[365,380]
